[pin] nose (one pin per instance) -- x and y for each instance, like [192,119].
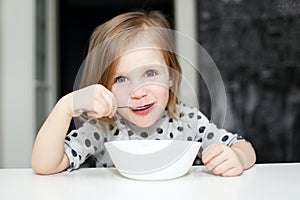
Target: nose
[138,93]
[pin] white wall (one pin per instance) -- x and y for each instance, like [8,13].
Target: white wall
[17,82]
[185,23]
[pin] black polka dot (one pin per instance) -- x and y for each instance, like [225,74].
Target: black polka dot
[72,165]
[181,115]
[116,132]
[105,140]
[198,117]
[79,157]
[164,116]
[188,126]
[122,121]
[74,153]
[95,148]
[111,127]
[96,135]
[157,139]
[130,133]
[225,138]
[189,138]
[191,115]
[201,129]
[159,130]
[144,135]
[93,121]
[180,128]
[105,165]
[200,140]
[171,120]
[87,143]
[171,135]
[75,134]
[102,152]
[68,138]
[210,135]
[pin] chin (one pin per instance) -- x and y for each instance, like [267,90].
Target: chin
[144,123]
[148,120]
[144,120]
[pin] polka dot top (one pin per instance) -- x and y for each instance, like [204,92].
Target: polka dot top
[192,125]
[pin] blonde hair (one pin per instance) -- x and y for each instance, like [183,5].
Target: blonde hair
[110,39]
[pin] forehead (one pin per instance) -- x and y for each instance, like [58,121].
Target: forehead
[138,58]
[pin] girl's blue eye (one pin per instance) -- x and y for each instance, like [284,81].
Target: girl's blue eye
[150,73]
[121,79]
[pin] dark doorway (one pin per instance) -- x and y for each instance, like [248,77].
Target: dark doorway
[78,18]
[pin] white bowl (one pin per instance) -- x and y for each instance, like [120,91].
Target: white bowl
[152,159]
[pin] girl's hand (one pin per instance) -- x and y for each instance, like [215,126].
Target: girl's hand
[96,100]
[222,160]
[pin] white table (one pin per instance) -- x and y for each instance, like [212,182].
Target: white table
[263,181]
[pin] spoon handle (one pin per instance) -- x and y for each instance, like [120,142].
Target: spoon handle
[132,108]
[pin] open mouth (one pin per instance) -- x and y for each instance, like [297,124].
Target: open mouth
[142,108]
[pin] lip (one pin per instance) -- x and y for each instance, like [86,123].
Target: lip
[144,110]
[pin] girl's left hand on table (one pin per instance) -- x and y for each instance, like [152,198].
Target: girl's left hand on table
[222,160]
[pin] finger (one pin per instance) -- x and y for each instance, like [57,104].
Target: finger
[100,109]
[215,161]
[101,103]
[92,114]
[235,171]
[106,98]
[110,104]
[114,107]
[211,151]
[222,167]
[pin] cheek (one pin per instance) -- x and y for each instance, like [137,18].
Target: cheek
[121,94]
[161,93]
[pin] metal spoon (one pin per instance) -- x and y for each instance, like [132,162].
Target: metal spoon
[83,116]
[82,111]
[132,108]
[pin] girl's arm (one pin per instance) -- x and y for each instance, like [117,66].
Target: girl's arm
[229,161]
[48,154]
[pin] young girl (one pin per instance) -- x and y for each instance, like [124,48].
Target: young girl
[131,62]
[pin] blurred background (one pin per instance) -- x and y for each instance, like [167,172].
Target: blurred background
[255,45]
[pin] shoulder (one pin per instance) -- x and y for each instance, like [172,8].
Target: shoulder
[190,113]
